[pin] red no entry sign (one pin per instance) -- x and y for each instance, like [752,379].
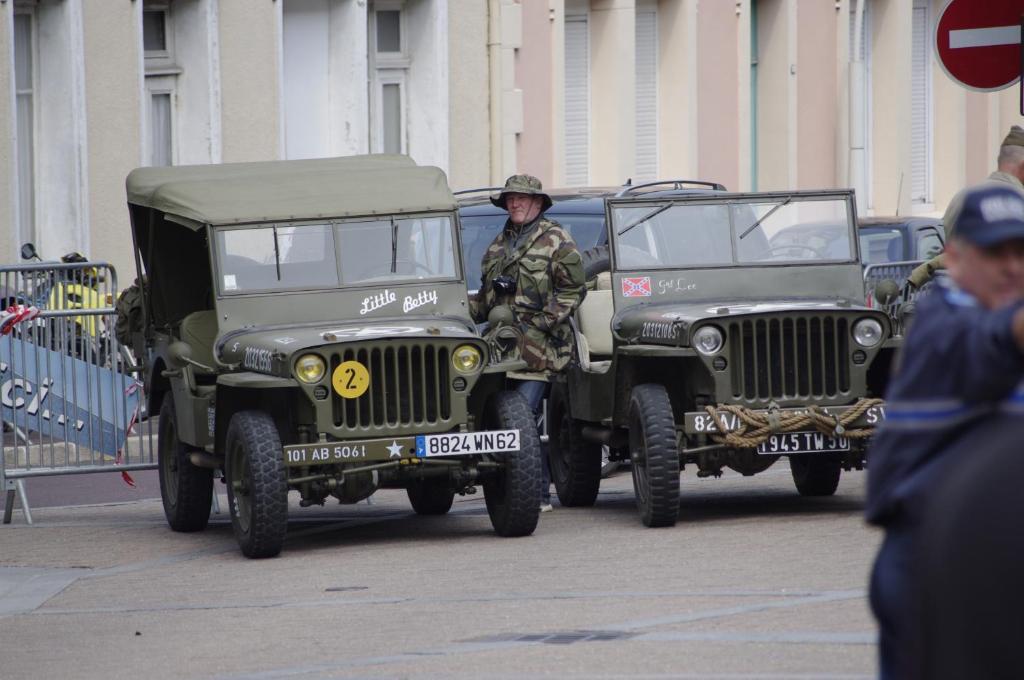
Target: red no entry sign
[978,42]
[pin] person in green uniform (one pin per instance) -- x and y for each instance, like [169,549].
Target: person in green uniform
[1009,172]
[534,268]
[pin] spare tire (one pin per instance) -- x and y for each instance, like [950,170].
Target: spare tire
[596,261]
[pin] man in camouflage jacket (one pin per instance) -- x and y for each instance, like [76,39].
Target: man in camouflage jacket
[1010,173]
[539,274]
[534,268]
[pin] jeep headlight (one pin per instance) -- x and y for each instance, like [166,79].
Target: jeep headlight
[708,340]
[466,359]
[310,368]
[867,332]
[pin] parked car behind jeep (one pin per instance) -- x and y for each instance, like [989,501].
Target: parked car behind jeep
[580,210]
[307,330]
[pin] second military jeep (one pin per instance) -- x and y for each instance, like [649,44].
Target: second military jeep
[728,330]
[307,329]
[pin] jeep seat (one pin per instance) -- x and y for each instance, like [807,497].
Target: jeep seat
[199,331]
[595,319]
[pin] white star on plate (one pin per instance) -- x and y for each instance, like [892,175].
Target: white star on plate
[395,449]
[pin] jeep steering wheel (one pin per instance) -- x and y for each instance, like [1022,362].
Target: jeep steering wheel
[771,249]
[415,266]
[383,277]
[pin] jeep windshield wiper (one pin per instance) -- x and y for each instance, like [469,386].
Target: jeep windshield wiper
[394,246]
[277,255]
[768,214]
[657,211]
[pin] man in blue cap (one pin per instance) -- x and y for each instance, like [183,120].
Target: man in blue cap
[963,357]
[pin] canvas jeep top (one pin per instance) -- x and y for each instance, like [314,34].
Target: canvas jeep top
[306,328]
[729,330]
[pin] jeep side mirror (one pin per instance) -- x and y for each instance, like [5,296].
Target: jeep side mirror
[886,292]
[179,354]
[28,251]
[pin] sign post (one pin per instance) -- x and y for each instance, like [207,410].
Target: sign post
[978,44]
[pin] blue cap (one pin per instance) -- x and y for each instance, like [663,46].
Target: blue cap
[991,215]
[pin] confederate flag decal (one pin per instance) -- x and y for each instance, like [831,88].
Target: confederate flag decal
[636,287]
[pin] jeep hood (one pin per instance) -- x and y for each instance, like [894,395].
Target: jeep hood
[267,348]
[670,322]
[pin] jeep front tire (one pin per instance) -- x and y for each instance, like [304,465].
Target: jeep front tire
[655,455]
[257,484]
[513,494]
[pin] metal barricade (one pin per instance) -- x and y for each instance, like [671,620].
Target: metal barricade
[898,272]
[71,396]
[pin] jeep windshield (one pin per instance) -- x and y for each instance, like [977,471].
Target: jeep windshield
[329,255]
[767,231]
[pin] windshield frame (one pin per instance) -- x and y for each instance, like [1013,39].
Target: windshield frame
[216,267]
[729,200]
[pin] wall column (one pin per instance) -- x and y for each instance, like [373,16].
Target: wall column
[8,135]
[112,45]
[251,98]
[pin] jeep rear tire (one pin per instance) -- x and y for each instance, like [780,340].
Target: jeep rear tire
[186,490]
[430,496]
[575,464]
[257,484]
[513,494]
[655,455]
[814,474]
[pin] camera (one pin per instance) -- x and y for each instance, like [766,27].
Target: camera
[504,285]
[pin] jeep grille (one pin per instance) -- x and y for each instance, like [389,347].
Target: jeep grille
[790,358]
[409,386]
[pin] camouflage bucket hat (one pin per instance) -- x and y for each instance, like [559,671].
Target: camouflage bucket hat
[522,184]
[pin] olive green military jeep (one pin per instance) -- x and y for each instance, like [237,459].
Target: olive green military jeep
[726,330]
[307,329]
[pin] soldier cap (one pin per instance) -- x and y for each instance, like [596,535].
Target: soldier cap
[521,184]
[991,216]
[1015,137]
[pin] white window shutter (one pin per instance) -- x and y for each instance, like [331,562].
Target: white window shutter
[577,101]
[646,95]
[920,124]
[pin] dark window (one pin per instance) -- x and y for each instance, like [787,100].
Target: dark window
[154,30]
[929,244]
[389,31]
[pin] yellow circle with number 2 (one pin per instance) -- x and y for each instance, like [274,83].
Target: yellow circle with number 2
[350,379]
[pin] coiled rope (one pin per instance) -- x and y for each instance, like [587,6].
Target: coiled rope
[755,427]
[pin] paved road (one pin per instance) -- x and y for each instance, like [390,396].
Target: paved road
[754,582]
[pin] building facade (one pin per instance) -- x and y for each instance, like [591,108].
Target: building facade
[755,94]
